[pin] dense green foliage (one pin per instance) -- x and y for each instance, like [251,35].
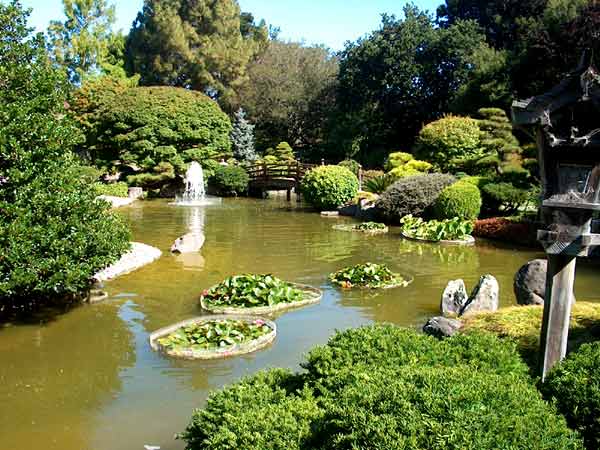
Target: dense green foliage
[448,139]
[455,229]
[242,138]
[229,180]
[506,197]
[412,195]
[462,200]
[214,334]
[53,234]
[327,187]
[198,45]
[119,189]
[350,164]
[369,275]
[498,139]
[282,152]
[246,291]
[401,165]
[144,127]
[383,387]
[575,387]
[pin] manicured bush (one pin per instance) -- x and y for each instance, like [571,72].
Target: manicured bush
[402,165]
[229,180]
[283,152]
[327,187]
[574,385]
[507,230]
[146,126]
[397,159]
[351,165]
[447,139]
[449,408]
[54,235]
[505,197]
[413,195]
[462,200]
[119,189]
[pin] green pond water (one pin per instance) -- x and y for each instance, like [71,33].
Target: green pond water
[89,380]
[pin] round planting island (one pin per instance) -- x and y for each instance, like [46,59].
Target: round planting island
[369,276]
[365,227]
[257,295]
[213,337]
[466,240]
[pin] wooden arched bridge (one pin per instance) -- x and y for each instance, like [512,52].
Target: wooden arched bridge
[280,176]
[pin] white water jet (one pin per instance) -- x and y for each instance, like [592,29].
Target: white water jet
[194,194]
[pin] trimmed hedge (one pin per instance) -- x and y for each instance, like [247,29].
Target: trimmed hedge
[574,386]
[383,387]
[229,180]
[328,187]
[412,195]
[462,200]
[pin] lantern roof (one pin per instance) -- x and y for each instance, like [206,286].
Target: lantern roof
[569,113]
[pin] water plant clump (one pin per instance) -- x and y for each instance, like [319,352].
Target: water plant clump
[370,226]
[369,275]
[249,291]
[214,334]
[455,229]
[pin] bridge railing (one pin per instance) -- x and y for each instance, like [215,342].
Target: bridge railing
[281,170]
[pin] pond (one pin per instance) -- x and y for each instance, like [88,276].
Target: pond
[88,379]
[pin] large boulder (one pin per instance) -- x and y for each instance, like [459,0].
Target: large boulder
[530,283]
[188,243]
[485,296]
[454,298]
[442,327]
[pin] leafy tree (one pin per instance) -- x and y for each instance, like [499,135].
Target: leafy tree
[242,138]
[81,43]
[202,45]
[498,138]
[403,75]
[54,235]
[284,91]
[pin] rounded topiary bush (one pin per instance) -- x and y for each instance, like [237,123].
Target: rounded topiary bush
[462,200]
[449,139]
[412,195]
[229,180]
[449,408]
[327,187]
[575,388]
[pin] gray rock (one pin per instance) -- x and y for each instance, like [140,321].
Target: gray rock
[454,298]
[530,283]
[348,210]
[188,243]
[485,296]
[441,327]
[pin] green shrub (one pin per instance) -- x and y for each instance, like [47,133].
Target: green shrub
[351,165]
[147,126]
[54,235]
[209,167]
[447,139]
[371,174]
[157,177]
[327,187]
[283,152]
[397,159]
[447,408]
[412,195]
[574,386]
[462,200]
[119,189]
[229,180]
[378,185]
[505,196]
[89,174]
[269,411]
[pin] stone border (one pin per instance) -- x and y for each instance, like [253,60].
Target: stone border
[139,256]
[234,350]
[346,227]
[314,295]
[470,240]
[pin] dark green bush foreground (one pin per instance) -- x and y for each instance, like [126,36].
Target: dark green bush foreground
[387,388]
[327,187]
[462,200]
[412,195]
[229,180]
[575,387]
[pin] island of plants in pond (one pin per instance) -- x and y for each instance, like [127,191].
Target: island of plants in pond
[256,292]
[214,334]
[436,230]
[365,227]
[369,275]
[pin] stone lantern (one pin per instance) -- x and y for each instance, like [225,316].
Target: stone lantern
[566,124]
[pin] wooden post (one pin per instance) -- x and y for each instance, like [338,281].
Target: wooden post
[288,195]
[560,279]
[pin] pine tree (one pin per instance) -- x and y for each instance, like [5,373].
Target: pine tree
[193,44]
[282,152]
[498,138]
[81,43]
[242,138]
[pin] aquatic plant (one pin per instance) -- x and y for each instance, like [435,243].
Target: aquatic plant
[367,275]
[436,230]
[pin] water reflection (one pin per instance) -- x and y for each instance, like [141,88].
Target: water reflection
[195,218]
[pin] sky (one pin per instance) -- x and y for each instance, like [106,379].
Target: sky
[329,22]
